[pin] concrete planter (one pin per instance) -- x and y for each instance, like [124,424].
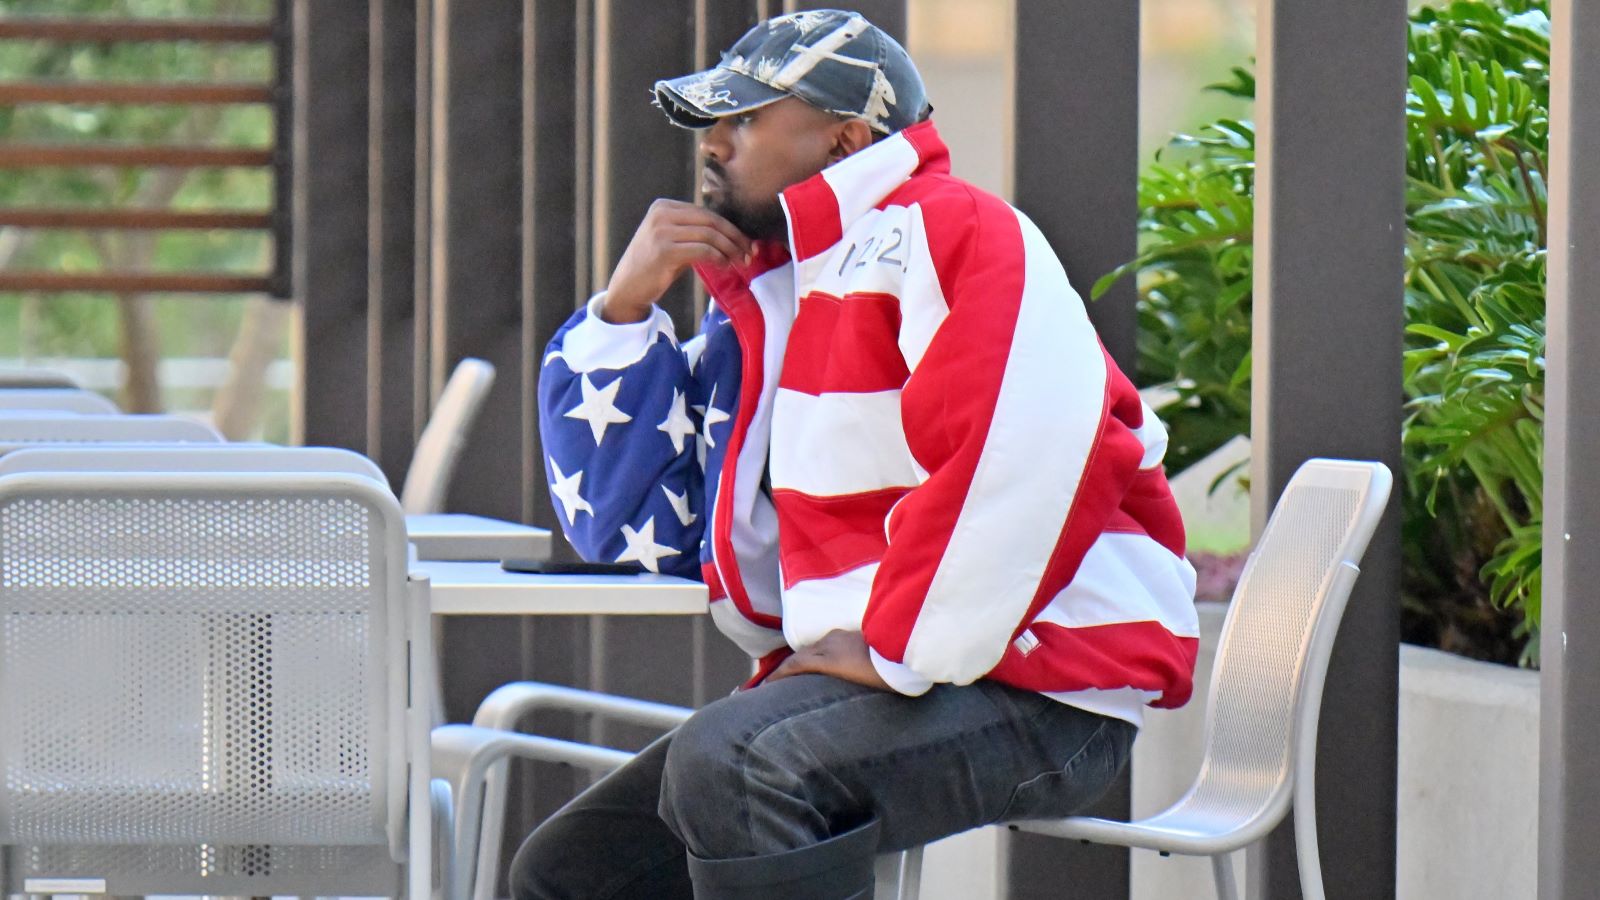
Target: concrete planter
[1468,787]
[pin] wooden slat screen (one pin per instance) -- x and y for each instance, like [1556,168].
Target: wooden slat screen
[274,221]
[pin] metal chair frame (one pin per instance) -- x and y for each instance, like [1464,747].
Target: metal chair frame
[399,784]
[1235,802]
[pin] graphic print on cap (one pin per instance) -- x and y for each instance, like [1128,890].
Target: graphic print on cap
[835,60]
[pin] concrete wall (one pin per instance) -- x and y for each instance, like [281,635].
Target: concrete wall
[1468,788]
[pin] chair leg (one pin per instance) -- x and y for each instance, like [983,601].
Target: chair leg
[1222,871]
[910,874]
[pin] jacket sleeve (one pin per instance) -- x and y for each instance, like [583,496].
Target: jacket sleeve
[1007,412]
[618,426]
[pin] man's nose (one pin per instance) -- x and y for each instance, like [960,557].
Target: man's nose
[714,140]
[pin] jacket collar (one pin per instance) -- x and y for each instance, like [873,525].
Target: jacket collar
[822,208]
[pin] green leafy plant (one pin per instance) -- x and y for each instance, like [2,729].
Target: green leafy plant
[1477,138]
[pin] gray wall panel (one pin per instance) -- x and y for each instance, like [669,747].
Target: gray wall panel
[391,224]
[330,213]
[1569,787]
[1076,149]
[1330,228]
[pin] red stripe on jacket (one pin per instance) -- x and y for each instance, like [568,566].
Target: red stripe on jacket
[844,345]
[832,535]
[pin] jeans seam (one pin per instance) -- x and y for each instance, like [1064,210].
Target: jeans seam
[1063,769]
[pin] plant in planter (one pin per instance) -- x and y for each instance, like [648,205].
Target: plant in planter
[1477,138]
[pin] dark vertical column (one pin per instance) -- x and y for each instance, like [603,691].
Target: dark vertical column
[391,224]
[330,213]
[1075,173]
[719,664]
[422,220]
[890,15]
[1330,230]
[551,285]
[638,155]
[718,23]
[476,271]
[1569,767]
[1076,147]
[283,137]
[553,649]
[476,293]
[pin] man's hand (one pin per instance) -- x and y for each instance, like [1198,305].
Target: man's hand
[673,236]
[842,654]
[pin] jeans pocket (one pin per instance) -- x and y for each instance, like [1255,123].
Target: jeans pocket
[1087,775]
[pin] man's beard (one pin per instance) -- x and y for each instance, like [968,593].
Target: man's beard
[762,223]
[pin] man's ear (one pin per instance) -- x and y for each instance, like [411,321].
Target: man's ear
[853,135]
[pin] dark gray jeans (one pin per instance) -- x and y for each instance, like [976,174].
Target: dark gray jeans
[791,763]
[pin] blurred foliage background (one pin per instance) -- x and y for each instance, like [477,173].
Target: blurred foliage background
[1477,139]
[197,333]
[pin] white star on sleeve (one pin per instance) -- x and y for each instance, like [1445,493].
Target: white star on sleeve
[642,546]
[680,505]
[713,416]
[678,425]
[599,408]
[565,487]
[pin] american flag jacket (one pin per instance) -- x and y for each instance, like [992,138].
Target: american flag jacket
[902,424]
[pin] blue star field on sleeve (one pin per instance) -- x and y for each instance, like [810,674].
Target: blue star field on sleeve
[616,445]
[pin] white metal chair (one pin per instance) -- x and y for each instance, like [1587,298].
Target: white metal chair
[205,680]
[71,400]
[473,760]
[189,458]
[439,448]
[1266,686]
[21,431]
[11,377]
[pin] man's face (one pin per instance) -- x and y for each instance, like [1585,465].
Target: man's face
[751,157]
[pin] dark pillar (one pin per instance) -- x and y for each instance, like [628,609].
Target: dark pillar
[391,222]
[638,155]
[1076,158]
[330,212]
[1077,147]
[1330,230]
[1569,767]
[476,270]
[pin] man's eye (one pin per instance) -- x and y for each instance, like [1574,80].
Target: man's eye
[743,118]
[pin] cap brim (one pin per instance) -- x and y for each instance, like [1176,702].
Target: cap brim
[699,100]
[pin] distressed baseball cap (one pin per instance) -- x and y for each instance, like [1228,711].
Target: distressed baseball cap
[833,59]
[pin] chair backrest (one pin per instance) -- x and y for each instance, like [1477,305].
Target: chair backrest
[203,677]
[1274,648]
[439,448]
[18,431]
[35,378]
[189,458]
[56,399]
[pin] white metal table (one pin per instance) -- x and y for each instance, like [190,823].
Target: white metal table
[452,536]
[483,588]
